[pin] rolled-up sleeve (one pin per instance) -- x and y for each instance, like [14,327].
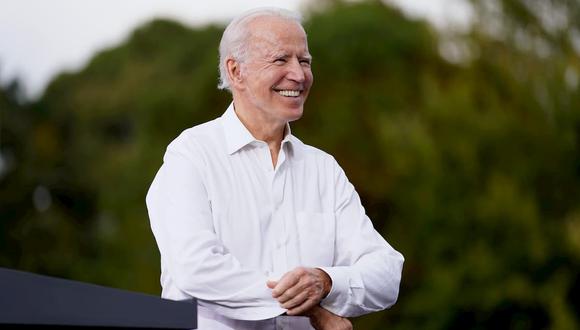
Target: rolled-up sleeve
[367,270]
[194,259]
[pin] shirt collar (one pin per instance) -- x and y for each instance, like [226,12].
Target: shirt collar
[238,136]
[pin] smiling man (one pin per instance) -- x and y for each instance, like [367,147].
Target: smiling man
[265,231]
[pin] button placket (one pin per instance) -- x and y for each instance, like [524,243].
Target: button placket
[279,219]
[267,163]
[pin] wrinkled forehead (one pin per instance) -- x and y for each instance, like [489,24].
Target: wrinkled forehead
[275,34]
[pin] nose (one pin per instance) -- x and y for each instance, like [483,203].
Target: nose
[296,71]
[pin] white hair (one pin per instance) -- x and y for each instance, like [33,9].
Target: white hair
[234,42]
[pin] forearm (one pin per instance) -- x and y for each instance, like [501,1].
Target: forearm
[204,269]
[371,284]
[367,270]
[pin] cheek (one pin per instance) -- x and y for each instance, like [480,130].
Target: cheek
[309,77]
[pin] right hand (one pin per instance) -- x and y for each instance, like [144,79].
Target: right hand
[301,289]
[321,319]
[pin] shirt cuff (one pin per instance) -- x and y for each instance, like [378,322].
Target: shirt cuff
[341,293]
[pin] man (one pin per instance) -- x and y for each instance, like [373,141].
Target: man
[265,231]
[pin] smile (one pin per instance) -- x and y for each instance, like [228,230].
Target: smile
[289,92]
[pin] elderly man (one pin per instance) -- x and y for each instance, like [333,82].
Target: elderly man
[265,231]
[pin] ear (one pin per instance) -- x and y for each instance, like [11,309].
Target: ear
[234,72]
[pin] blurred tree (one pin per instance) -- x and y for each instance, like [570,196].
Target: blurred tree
[464,148]
[116,117]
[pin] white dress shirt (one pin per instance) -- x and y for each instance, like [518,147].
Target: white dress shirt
[226,221]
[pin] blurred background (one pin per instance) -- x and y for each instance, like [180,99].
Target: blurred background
[461,136]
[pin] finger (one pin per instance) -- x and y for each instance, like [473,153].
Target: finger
[291,293]
[271,284]
[304,285]
[302,308]
[295,301]
[287,281]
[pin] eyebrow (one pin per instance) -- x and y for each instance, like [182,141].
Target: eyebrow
[275,55]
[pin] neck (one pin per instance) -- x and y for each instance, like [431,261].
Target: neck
[269,131]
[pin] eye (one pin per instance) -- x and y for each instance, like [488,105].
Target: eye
[305,62]
[280,60]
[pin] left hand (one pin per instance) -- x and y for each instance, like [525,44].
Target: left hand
[301,289]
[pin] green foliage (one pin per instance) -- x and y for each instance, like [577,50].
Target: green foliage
[471,170]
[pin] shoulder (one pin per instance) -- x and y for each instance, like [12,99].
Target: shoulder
[313,155]
[197,140]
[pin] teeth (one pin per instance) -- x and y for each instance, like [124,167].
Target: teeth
[291,93]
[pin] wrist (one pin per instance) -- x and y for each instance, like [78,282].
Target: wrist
[314,312]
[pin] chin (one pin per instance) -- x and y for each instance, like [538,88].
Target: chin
[295,114]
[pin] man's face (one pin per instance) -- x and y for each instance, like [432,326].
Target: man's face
[276,73]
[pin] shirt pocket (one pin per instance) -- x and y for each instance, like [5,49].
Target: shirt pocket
[316,238]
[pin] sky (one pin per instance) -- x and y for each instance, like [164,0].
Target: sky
[39,38]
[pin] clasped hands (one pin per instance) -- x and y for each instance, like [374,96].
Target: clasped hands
[300,291]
